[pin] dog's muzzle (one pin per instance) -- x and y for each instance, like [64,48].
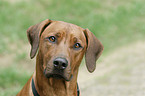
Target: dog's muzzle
[58,72]
[60,63]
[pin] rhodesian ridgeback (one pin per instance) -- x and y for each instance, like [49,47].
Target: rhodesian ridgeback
[61,47]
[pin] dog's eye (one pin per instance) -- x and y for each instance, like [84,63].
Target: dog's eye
[77,46]
[52,39]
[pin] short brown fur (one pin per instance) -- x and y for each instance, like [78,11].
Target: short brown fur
[67,36]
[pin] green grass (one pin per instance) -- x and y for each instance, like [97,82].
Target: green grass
[114,22]
[12,80]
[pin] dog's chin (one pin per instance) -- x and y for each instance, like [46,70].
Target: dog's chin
[57,76]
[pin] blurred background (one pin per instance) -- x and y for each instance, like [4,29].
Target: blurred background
[118,24]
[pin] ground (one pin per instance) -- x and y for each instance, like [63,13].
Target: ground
[121,73]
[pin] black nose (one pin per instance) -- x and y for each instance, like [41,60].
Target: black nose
[60,63]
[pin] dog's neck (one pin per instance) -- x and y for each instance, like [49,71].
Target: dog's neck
[57,87]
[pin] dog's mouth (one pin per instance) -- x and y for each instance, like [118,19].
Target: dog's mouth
[57,75]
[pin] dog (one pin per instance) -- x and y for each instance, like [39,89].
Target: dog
[61,47]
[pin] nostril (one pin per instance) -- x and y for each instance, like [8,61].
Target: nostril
[56,63]
[64,65]
[60,63]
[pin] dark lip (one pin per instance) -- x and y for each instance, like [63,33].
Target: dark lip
[56,75]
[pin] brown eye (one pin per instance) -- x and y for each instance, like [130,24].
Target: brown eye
[77,46]
[52,39]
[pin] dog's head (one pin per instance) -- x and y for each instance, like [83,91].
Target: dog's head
[62,46]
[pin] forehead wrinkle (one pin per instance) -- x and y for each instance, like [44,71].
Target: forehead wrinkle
[67,29]
[73,38]
[75,32]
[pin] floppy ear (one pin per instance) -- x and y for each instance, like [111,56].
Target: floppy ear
[33,34]
[94,50]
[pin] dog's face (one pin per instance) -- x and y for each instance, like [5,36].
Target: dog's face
[61,48]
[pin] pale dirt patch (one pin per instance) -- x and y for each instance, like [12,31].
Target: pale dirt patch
[121,73]
[13,58]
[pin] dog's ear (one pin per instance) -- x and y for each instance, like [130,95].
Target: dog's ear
[93,51]
[33,34]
